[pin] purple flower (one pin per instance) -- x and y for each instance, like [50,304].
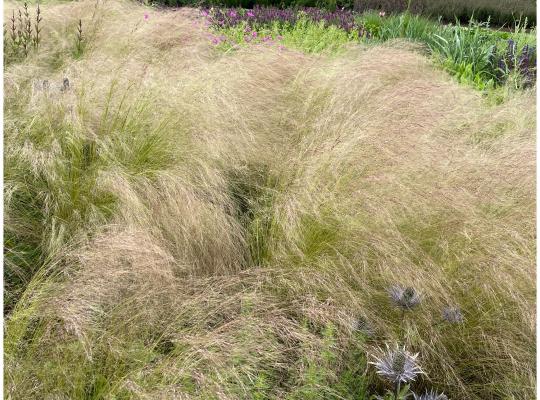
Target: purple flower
[146,16]
[254,34]
[250,14]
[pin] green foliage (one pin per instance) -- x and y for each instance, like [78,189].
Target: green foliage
[52,177]
[316,381]
[403,393]
[467,52]
[318,235]
[254,191]
[406,26]
[316,37]
[333,375]
[305,35]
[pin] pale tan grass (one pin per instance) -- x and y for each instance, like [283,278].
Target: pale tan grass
[404,176]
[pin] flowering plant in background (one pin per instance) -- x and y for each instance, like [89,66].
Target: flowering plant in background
[522,63]
[260,17]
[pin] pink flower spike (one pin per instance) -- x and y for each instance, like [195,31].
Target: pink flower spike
[254,34]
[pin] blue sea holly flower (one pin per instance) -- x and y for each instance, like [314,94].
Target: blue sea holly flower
[452,315]
[397,365]
[405,298]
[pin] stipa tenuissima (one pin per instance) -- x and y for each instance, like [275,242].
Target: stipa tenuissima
[397,365]
[404,298]
[432,395]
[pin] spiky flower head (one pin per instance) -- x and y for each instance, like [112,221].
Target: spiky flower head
[452,315]
[405,298]
[362,325]
[397,365]
[432,395]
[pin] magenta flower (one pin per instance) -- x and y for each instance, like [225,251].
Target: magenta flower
[233,14]
[146,16]
[254,34]
[204,13]
[250,14]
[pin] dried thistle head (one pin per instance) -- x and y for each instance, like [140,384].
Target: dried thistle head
[361,324]
[397,365]
[432,395]
[65,85]
[405,298]
[452,315]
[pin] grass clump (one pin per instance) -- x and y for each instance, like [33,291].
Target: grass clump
[180,221]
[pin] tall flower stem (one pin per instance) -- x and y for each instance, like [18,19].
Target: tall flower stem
[403,329]
[398,389]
